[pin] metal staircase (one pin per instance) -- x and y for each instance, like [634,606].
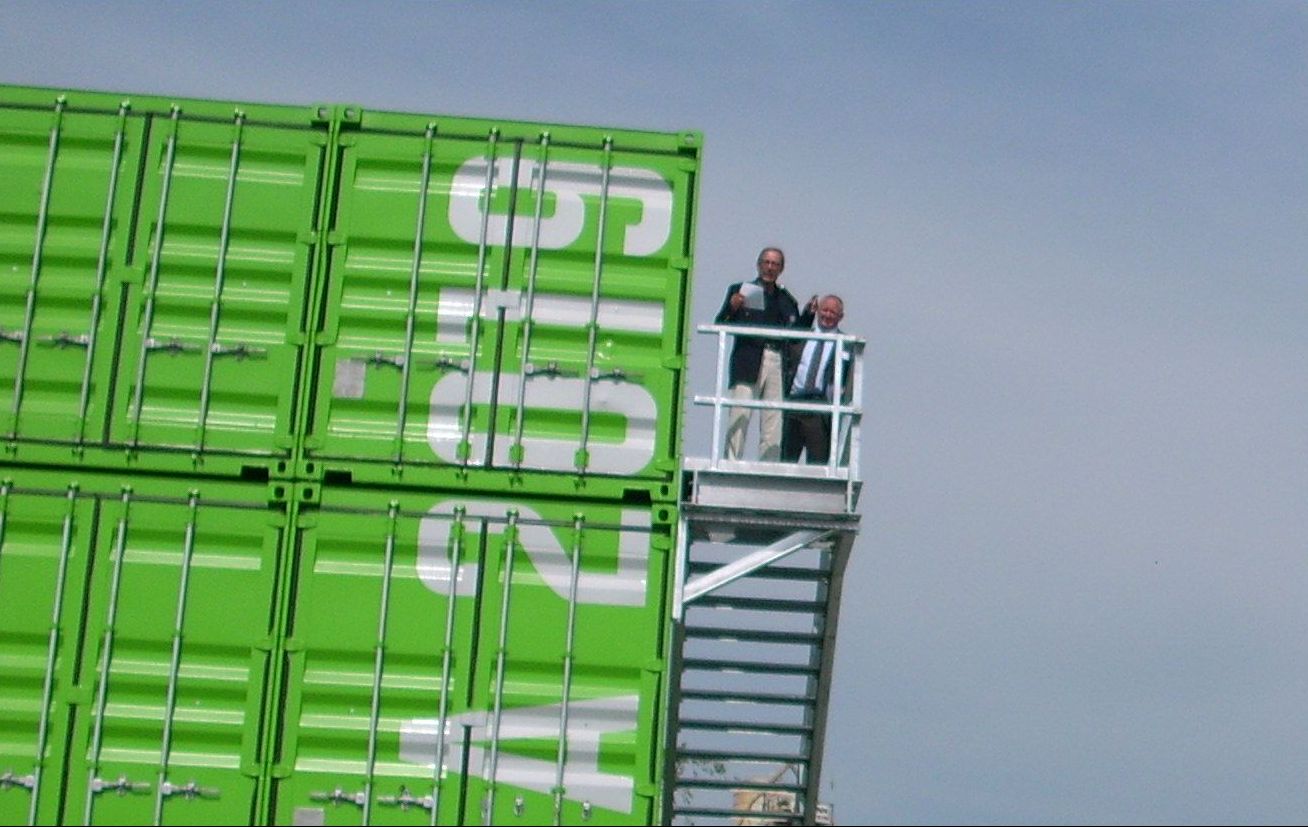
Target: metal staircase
[756,646]
[762,549]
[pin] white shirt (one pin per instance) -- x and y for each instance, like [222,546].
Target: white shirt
[821,350]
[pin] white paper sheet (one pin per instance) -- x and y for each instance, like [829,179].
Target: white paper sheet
[753,296]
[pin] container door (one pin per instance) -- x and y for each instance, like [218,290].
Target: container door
[377,639]
[389,337]
[590,375]
[66,181]
[477,630]
[44,558]
[562,723]
[212,342]
[178,629]
[472,308]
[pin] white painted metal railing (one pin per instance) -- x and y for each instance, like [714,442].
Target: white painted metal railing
[845,408]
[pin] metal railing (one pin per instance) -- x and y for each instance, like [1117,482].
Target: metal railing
[845,407]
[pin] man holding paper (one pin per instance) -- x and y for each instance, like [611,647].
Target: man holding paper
[756,361]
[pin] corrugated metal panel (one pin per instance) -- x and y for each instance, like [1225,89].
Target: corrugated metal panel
[44,558]
[212,342]
[64,177]
[135,627]
[466,274]
[156,270]
[461,625]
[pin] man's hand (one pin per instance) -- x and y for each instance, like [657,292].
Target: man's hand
[738,301]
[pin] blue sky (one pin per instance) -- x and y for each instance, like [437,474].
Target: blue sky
[1074,236]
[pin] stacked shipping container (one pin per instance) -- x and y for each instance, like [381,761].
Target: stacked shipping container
[337,442]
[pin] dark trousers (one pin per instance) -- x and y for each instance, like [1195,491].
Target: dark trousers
[806,432]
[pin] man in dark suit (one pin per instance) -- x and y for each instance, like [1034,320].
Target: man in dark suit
[812,378]
[756,362]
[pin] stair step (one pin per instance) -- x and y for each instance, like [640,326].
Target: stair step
[794,573]
[749,666]
[769,604]
[755,816]
[751,635]
[744,726]
[744,697]
[737,755]
[729,784]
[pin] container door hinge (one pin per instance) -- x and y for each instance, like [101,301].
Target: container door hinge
[404,800]
[616,374]
[189,790]
[340,796]
[8,779]
[121,785]
[64,339]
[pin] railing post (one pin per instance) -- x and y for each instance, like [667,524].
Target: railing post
[717,401]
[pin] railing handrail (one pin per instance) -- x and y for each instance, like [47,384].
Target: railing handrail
[801,334]
[798,405]
[845,406]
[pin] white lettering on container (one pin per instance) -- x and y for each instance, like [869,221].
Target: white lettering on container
[571,185]
[583,779]
[549,556]
[545,392]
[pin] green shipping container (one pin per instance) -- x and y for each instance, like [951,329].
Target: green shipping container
[332,293]
[478,629]
[503,296]
[207,652]
[155,266]
[339,458]
[137,629]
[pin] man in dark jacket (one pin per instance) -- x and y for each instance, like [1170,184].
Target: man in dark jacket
[811,377]
[756,362]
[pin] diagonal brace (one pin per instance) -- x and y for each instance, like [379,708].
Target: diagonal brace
[750,563]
